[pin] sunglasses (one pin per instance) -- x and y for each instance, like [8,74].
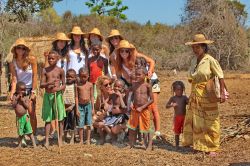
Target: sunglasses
[124,51]
[106,85]
[115,38]
[21,47]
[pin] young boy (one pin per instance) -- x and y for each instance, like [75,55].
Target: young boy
[53,80]
[179,102]
[97,65]
[69,97]
[142,97]
[21,104]
[86,104]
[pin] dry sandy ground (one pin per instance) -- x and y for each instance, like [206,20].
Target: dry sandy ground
[234,151]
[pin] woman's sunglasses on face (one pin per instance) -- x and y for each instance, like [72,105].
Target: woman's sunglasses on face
[115,38]
[21,47]
[106,85]
[124,51]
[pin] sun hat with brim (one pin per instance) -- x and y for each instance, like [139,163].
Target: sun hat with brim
[114,32]
[61,36]
[19,42]
[76,30]
[97,32]
[124,44]
[199,39]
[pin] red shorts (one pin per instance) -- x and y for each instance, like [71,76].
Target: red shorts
[178,124]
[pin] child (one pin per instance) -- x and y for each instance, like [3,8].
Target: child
[97,65]
[179,102]
[115,119]
[53,80]
[86,104]
[70,104]
[141,62]
[142,97]
[21,104]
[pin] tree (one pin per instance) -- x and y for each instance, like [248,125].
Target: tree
[219,21]
[107,7]
[50,15]
[23,8]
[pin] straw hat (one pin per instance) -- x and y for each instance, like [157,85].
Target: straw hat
[19,42]
[61,36]
[97,32]
[114,32]
[199,39]
[124,44]
[76,31]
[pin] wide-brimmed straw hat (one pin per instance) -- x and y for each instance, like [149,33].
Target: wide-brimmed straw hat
[97,32]
[124,44]
[114,32]
[76,30]
[19,42]
[199,39]
[61,36]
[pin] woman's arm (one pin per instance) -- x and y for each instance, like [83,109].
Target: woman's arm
[34,72]
[222,90]
[13,79]
[150,61]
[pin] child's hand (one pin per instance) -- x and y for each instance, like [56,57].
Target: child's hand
[139,109]
[78,114]
[93,112]
[174,104]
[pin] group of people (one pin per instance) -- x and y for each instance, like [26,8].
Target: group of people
[108,86]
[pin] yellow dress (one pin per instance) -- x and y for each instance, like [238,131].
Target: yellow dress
[202,126]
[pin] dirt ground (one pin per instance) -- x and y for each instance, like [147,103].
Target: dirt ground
[234,151]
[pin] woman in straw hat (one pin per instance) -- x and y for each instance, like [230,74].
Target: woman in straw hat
[23,68]
[60,45]
[95,35]
[78,53]
[202,126]
[114,39]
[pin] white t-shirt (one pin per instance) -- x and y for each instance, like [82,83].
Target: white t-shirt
[76,61]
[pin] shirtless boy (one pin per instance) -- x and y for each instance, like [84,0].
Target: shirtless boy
[142,97]
[21,104]
[86,104]
[53,80]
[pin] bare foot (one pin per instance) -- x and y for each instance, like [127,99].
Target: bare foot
[81,142]
[88,142]
[71,141]
[213,154]
[46,145]
[149,148]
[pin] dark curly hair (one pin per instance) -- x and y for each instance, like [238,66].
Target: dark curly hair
[177,83]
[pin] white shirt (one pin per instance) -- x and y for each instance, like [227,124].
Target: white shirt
[24,76]
[76,62]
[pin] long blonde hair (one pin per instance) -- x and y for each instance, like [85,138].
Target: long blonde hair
[26,58]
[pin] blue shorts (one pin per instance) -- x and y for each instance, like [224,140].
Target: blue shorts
[85,118]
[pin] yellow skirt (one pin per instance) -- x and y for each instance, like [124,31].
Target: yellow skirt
[202,126]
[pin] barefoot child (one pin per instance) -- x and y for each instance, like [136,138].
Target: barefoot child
[97,65]
[86,104]
[21,104]
[142,97]
[69,97]
[116,117]
[178,102]
[53,80]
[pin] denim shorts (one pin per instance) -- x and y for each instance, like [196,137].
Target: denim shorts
[85,118]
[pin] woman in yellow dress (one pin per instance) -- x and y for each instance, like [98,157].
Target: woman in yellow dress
[202,126]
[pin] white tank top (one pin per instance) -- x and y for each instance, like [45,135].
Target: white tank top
[76,62]
[24,76]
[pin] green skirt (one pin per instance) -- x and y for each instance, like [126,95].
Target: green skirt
[50,107]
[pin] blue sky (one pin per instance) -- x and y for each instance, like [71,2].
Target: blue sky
[163,11]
